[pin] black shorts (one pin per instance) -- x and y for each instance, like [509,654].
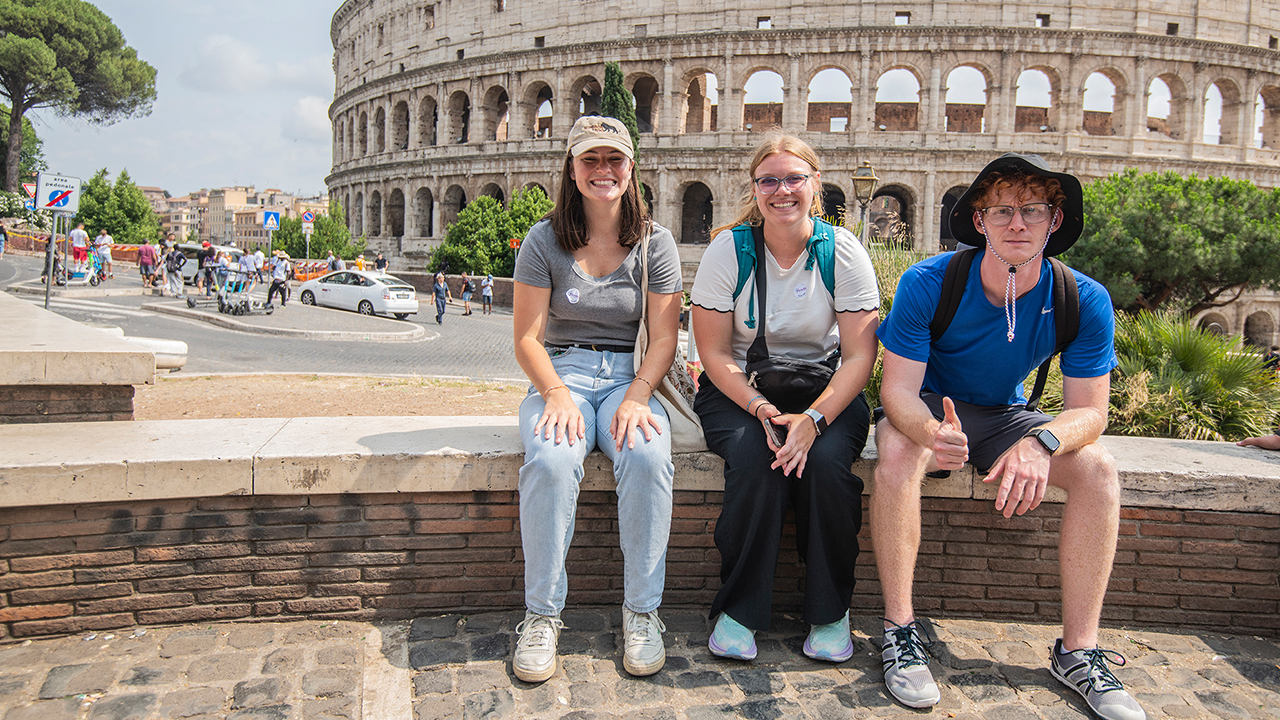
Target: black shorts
[991,429]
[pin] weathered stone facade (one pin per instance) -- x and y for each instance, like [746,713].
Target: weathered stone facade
[437,103]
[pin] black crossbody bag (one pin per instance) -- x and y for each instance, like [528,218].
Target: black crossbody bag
[791,385]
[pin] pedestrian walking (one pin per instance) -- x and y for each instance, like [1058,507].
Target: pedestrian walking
[486,295]
[441,291]
[380,264]
[468,289]
[102,248]
[259,264]
[332,262]
[279,277]
[173,263]
[147,264]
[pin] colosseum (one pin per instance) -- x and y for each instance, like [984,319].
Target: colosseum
[437,103]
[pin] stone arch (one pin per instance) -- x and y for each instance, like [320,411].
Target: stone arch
[400,126]
[644,89]
[897,202]
[428,121]
[946,236]
[963,114]
[695,213]
[1267,116]
[458,118]
[380,130]
[1103,102]
[1167,106]
[701,102]
[834,205]
[375,214]
[424,207]
[1215,323]
[455,198]
[763,99]
[339,138]
[539,101]
[357,216]
[829,101]
[646,194]
[364,133]
[898,100]
[530,185]
[395,213]
[351,136]
[586,91]
[346,205]
[497,113]
[1036,100]
[1228,115]
[494,191]
[1259,329]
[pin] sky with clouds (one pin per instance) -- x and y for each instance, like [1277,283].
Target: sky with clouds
[242,98]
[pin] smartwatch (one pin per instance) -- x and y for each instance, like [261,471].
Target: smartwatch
[819,421]
[1045,438]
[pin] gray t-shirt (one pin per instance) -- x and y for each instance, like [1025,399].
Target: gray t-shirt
[591,310]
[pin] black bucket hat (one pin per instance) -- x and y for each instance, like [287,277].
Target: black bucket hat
[1065,236]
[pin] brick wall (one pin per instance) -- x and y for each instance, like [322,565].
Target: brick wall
[65,403]
[66,569]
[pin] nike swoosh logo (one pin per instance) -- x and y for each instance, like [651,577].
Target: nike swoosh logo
[1046,311]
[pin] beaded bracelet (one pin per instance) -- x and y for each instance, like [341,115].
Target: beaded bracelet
[646,382]
[553,387]
[758,397]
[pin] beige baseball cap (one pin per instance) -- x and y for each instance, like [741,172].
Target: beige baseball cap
[592,131]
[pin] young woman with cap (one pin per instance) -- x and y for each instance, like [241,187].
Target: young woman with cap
[577,311]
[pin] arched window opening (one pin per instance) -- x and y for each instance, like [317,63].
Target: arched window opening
[762,101]
[646,193]
[395,213]
[695,215]
[966,101]
[380,130]
[424,205]
[428,117]
[459,115]
[947,236]
[701,100]
[833,205]
[890,217]
[497,114]
[400,126]
[898,101]
[364,133]
[492,190]
[1166,101]
[375,214]
[1034,101]
[357,216]
[589,98]
[454,200]
[1222,113]
[542,102]
[1099,105]
[1259,330]
[830,102]
[644,92]
[1266,118]
[1214,323]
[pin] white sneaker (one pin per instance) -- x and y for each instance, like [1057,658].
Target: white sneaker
[906,666]
[535,659]
[643,652]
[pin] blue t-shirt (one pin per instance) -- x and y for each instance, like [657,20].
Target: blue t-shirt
[974,362]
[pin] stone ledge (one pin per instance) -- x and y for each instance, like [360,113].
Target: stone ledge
[73,463]
[44,348]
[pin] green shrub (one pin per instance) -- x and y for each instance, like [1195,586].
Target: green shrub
[889,263]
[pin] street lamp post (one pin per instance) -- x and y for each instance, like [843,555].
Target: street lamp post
[864,184]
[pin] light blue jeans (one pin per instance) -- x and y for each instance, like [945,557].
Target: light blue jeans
[550,478]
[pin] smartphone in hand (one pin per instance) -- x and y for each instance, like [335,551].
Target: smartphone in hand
[777,433]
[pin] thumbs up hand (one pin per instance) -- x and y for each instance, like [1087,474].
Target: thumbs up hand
[950,445]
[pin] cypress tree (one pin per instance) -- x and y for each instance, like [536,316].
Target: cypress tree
[616,102]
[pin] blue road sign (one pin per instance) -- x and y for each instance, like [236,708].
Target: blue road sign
[270,221]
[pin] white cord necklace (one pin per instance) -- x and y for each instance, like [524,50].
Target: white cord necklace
[1011,286]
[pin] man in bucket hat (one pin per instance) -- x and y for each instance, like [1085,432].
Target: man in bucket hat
[958,397]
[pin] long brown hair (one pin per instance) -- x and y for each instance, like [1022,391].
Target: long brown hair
[569,220]
[774,142]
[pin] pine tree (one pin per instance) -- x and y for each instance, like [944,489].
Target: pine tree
[616,102]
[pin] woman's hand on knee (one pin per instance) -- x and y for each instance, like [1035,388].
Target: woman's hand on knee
[633,415]
[561,416]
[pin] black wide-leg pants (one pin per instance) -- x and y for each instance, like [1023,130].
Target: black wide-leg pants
[827,500]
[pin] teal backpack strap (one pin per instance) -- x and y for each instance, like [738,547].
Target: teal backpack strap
[745,245]
[822,247]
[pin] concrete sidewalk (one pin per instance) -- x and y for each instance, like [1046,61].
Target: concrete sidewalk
[456,666]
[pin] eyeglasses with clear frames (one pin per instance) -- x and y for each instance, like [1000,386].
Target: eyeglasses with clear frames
[1032,214]
[770,184]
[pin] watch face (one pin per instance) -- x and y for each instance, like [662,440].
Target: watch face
[1048,440]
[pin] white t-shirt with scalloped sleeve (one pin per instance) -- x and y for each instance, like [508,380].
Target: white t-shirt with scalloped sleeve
[801,314]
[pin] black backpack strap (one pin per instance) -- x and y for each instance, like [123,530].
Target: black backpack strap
[759,349]
[1066,321]
[953,283]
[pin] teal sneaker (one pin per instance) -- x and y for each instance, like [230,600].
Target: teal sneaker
[830,642]
[732,640]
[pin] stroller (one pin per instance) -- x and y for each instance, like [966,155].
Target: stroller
[234,298]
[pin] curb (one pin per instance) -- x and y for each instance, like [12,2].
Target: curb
[35,287]
[417,333]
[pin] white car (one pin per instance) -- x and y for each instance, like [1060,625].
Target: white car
[365,291]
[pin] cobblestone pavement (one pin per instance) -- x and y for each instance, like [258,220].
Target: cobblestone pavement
[455,666]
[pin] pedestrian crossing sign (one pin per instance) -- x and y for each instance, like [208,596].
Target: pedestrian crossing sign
[270,221]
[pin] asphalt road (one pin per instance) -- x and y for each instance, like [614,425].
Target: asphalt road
[477,347]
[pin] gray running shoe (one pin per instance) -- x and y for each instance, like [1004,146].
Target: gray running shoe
[1086,672]
[906,666]
[535,659]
